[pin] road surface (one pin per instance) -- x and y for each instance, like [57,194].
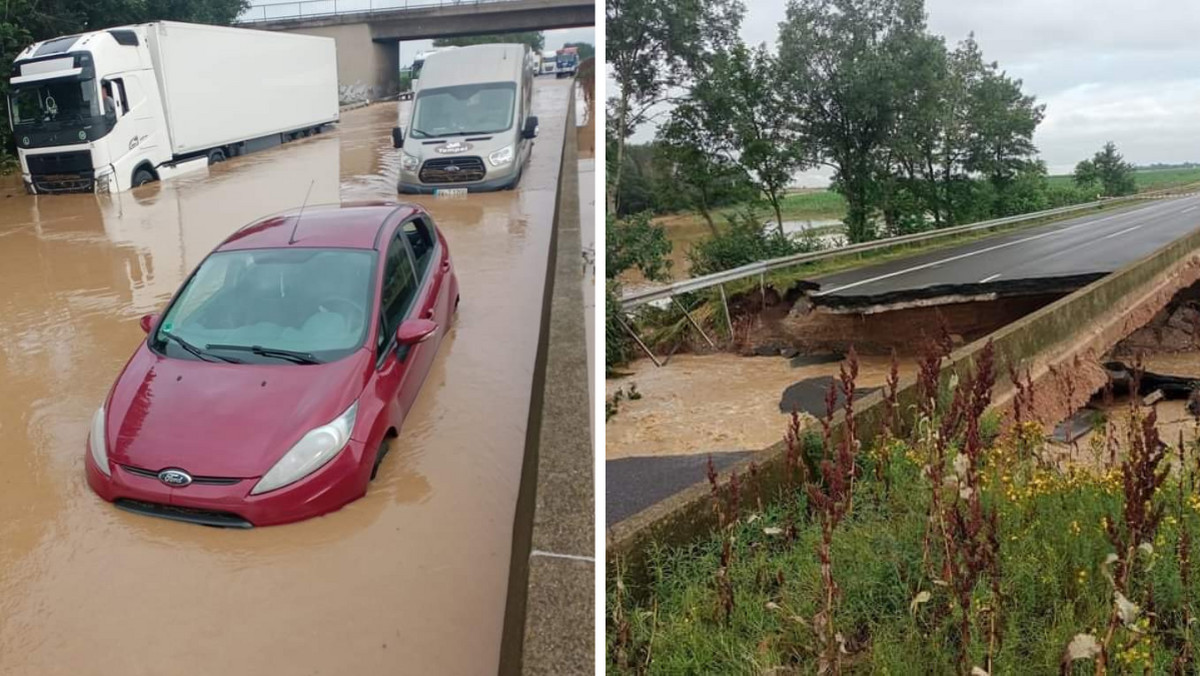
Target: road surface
[411,579]
[1057,256]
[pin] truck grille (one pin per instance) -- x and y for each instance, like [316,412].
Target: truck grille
[453,170]
[62,172]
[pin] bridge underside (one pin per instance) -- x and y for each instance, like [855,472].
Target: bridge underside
[367,44]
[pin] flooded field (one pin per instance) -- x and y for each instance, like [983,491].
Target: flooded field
[714,402]
[410,579]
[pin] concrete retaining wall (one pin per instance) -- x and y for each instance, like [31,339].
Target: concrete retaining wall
[1081,325]
[549,621]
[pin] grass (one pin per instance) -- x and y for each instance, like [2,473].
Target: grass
[1026,555]
[1146,179]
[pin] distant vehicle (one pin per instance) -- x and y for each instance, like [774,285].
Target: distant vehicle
[112,109]
[418,63]
[566,61]
[269,389]
[549,63]
[470,126]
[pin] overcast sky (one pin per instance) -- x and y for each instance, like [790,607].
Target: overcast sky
[1123,71]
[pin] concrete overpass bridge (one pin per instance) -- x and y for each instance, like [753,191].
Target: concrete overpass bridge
[367,32]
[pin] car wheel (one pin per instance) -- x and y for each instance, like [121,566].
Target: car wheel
[142,177]
[384,447]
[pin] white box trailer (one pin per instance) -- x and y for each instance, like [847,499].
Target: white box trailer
[112,109]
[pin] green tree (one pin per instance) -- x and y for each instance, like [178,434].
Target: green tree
[653,48]
[743,95]
[586,49]
[846,61]
[534,39]
[704,176]
[745,239]
[1109,170]
[632,243]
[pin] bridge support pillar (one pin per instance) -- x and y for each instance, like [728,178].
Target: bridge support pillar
[367,70]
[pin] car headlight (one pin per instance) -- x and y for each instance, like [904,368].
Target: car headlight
[96,442]
[309,454]
[408,162]
[501,157]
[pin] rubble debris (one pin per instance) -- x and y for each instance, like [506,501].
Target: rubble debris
[1080,423]
[808,396]
[1175,329]
[1173,387]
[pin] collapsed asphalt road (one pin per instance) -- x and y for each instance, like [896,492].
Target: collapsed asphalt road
[1058,257]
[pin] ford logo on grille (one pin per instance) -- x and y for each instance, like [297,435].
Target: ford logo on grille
[452,168]
[175,477]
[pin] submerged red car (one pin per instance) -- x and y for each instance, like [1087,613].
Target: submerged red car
[267,390]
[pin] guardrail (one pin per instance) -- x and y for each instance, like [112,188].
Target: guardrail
[643,297]
[305,9]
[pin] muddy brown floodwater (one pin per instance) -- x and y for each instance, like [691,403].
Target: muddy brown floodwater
[410,579]
[708,403]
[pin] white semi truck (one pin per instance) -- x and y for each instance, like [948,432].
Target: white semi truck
[113,109]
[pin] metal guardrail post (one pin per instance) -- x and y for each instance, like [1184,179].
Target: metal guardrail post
[693,323]
[639,342]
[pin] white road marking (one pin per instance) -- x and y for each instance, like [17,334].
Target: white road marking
[969,254]
[985,280]
[1188,209]
[1122,232]
[554,555]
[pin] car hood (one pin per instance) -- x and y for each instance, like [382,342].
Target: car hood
[222,420]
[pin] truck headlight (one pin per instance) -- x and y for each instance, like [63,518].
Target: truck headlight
[310,454]
[408,162]
[96,442]
[501,157]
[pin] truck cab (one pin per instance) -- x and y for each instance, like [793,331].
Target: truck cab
[85,112]
[566,61]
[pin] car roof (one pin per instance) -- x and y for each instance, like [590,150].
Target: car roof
[352,225]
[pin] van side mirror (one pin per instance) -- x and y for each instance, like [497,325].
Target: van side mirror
[531,127]
[148,321]
[413,331]
[397,137]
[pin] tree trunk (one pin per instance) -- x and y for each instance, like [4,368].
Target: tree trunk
[623,111]
[778,213]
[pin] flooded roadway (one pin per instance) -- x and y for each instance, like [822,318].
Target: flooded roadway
[410,579]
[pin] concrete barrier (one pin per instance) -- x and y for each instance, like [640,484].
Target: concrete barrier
[1086,322]
[549,620]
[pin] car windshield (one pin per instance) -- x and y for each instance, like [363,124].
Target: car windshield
[54,101]
[465,109]
[257,304]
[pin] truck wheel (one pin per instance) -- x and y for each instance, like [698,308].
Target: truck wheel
[216,157]
[142,177]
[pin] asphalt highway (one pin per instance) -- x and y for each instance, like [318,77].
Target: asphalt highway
[1079,249]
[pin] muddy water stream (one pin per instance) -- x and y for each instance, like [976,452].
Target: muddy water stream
[410,579]
[715,402]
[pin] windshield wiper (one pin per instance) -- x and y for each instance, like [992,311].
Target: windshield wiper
[200,354]
[278,353]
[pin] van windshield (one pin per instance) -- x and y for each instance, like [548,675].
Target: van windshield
[464,109]
[54,101]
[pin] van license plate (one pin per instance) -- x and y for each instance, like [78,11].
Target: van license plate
[450,192]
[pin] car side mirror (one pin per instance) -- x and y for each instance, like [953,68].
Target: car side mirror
[531,127]
[148,321]
[413,331]
[397,137]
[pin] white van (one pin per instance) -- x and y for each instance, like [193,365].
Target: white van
[470,125]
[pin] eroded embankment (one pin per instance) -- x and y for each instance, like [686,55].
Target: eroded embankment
[1061,345]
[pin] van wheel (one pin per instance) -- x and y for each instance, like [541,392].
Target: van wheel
[142,177]
[216,157]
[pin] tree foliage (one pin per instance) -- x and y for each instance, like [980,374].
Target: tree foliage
[746,238]
[534,39]
[23,22]
[653,49]
[1108,171]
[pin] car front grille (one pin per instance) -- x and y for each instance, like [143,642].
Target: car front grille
[204,517]
[208,480]
[453,170]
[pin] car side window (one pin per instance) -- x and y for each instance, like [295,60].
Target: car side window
[399,288]
[422,240]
